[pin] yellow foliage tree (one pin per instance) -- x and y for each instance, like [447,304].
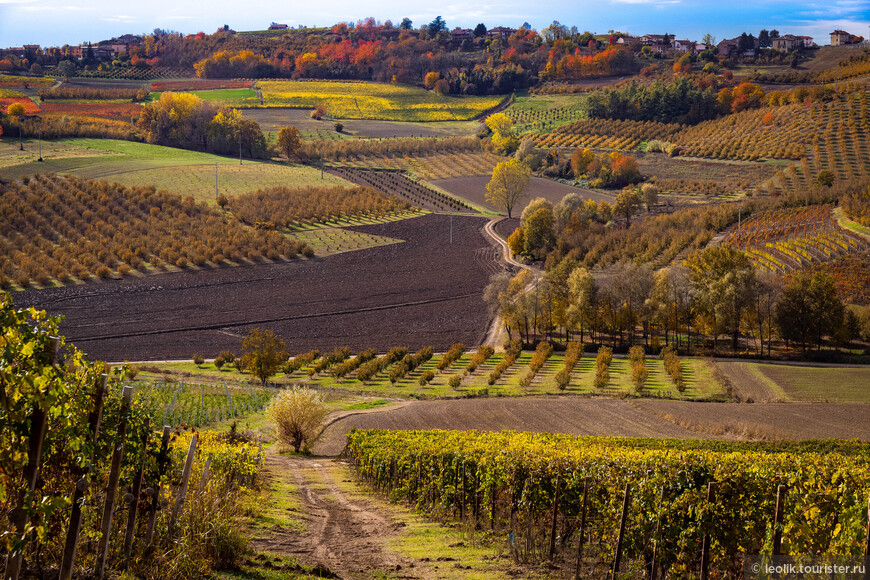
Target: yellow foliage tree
[508,184]
[503,139]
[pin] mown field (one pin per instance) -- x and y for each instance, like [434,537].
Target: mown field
[352,100]
[175,170]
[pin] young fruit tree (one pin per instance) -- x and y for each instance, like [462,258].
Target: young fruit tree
[298,414]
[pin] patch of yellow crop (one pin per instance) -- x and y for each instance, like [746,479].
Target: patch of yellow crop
[360,100]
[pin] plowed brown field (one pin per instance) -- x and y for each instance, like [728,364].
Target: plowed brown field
[424,291]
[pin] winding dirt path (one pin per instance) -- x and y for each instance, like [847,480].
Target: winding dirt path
[345,535]
[495,335]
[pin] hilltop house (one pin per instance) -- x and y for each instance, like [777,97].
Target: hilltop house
[276,26]
[841,37]
[681,45]
[501,32]
[460,34]
[787,43]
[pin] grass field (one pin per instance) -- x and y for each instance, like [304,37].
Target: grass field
[542,113]
[699,379]
[351,100]
[223,97]
[812,384]
[176,170]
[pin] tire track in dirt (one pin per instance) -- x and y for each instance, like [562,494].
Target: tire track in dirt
[343,534]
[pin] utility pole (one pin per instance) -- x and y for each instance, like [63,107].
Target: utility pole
[39,136]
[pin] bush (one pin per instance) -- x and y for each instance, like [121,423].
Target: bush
[299,415]
[338,127]
[219,362]
[602,367]
[451,356]
[639,372]
[483,353]
[512,351]
[198,360]
[426,377]
[455,382]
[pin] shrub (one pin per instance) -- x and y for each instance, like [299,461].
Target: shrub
[512,351]
[103,272]
[483,353]
[426,377]
[219,362]
[198,360]
[455,382]
[298,414]
[451,356]
[602,367]
[299,361]
[338,127]
[639,372]
[264,353]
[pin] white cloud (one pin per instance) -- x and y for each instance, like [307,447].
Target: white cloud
[16,1]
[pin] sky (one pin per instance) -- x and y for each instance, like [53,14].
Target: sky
[58,22]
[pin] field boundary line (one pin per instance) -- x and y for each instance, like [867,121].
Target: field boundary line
[276,319]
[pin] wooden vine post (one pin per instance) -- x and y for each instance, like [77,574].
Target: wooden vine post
[38,420]
[162,461]
[185,480]
[112,489]
[777,520]
[75,520]
[132,498]
[555,517]
[656,538]
[705,545]
[582,527]
[621,536]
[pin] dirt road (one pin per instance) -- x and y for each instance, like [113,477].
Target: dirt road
[345,535]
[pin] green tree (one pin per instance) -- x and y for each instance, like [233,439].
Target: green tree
[66,69]
[436,26]
[724,282]
[263,353]
[508,185]
[809,309]
[406,24]
[289,140]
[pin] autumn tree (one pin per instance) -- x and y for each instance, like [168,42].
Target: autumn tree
[504,138]
[430,79]
[627,203]
[580,160]
[263,353]
[289,140]
[539,232]
[299,415]
[517,241]
[724,282]
[508,185]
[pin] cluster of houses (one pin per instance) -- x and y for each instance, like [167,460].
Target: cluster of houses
[105,50]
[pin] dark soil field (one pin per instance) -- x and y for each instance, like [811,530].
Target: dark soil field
[421,292]
[473,188]
[273,118]
[506,227]
[614,417]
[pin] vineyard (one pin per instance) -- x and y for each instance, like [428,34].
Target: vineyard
[30,108]
[92,483]
[283,207]
[199,85]
[136,73]
[353,100]
[20,81]
[60,228]
[401,186]
[607,134]
[188,404]
[851,274]
[785,240]
[668,507]
[126,111]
